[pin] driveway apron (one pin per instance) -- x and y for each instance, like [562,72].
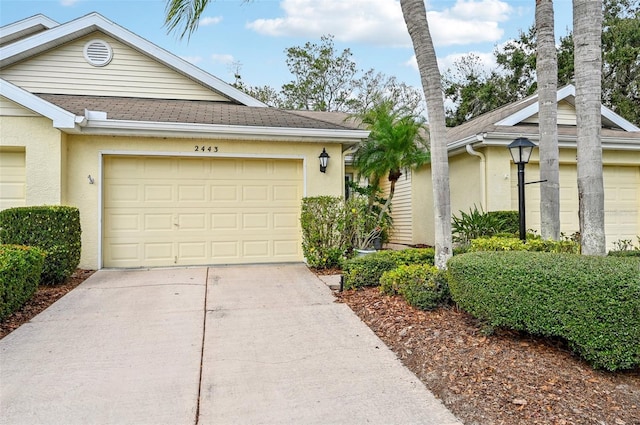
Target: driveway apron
[261,344]
[122,348]
[279,350]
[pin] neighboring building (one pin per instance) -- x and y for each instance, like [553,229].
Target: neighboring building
[482,173]
[167,164]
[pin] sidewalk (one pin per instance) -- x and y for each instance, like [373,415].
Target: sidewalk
[125,347]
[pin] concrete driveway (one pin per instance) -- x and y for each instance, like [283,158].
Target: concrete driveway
[219,345]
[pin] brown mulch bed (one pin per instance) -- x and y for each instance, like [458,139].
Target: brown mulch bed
[43,298]
[503,378]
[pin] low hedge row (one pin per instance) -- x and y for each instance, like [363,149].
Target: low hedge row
[20,268]
[592,302]
[54,229]
[422,286]
[367,270]
[500,243]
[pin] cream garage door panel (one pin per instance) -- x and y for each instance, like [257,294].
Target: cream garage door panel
[161,211]
[622,200]
[621,203]
[12,179]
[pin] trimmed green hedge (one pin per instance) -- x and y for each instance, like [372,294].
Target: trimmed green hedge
[422,286]
[498,243]
[592,302]
[54,229]
[20,268]
[627,253]
[367,270]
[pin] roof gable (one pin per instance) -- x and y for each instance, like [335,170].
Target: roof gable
[62,34]
[521,116]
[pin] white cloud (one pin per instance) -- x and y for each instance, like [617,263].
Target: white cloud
[223,59]
[68,2]
[192,59]
[380,22]
[210,20]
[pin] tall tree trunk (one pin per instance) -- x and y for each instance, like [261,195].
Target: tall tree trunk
[587,36]
[415,16]
[547,74]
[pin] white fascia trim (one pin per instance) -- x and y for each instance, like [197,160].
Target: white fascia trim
[117,127]
[95,21]
[533,109]
[61,118]
[617,119]
[25,24]
[608,143]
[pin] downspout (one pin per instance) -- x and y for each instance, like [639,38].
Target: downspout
[483,177]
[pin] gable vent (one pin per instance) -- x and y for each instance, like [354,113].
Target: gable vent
[98,52]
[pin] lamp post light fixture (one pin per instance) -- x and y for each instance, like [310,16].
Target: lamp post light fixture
[520,150]
[324,160]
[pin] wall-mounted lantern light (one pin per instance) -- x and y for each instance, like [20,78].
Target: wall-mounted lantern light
[520,150]
[324,160]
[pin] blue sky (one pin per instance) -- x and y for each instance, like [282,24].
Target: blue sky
[255,34]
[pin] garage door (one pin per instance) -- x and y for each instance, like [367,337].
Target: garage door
[165,211]
[622,200]
[12,179]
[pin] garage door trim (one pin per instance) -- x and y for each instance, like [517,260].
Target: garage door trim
[104,153]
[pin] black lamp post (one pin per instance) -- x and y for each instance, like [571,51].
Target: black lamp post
[324,160]
[520,150]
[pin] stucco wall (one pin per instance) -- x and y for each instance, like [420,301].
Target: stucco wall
[44,156]
[84,160]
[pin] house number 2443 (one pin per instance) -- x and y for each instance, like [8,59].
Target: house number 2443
[205,148]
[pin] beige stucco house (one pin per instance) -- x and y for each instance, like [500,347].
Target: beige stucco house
[482,173]
[167,164]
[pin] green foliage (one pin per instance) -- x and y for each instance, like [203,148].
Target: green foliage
[509,221]
[325,237]
[54,229]
[475,91]
[20,268]
[477,224]
[396,142]
[592,302]
[625,248]
[422,286]
[367,270]
[534,243]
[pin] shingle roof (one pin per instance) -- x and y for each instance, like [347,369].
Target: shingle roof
[192,111]
[486,122]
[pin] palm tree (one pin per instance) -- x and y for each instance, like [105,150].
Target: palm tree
[587,36]
[547,73]
[395,143]
[415,17]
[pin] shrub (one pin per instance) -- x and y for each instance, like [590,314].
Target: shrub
[474,225]
[422,286]
[20,268]
[325,240]
[625,248]
[54,229]
[367,270]
[592,302]
[509,221]
[534,243]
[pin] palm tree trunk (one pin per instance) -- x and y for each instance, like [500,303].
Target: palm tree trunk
[587,36]
[415,17]
[547,73]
